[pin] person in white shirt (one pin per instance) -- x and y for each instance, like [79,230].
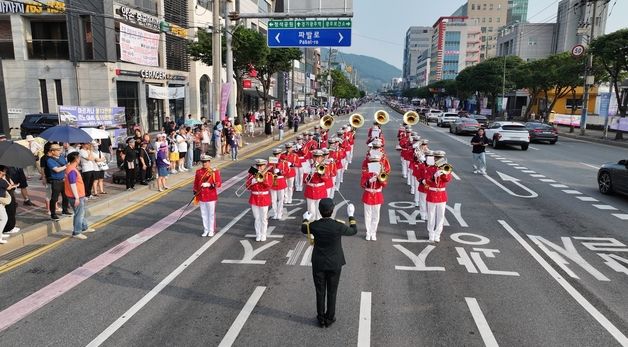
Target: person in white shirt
[182,146]
[88,167]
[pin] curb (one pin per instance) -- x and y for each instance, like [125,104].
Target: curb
[594,140]
[107,210]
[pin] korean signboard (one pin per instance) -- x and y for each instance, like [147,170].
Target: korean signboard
[90,116]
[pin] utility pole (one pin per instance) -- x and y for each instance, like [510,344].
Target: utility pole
[216,59]
[4,111]
[231,106]
[585,94]
[504,89]
[306,80]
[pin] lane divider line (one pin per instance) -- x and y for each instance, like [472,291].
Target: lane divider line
[481,323]
[241,319]
[364,327]
[580,299]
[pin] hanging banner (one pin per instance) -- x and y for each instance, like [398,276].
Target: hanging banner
[138,46]
[224,99]
[605,102]
[166,93]
[88,116]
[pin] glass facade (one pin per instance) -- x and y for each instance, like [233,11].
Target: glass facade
[451,55]
[517,11]
[129,99]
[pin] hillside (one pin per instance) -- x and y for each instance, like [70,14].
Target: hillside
[372,71]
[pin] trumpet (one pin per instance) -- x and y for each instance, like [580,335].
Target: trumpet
[356,120]
[446,168]
[411,118]
[381,117]
[383,176]
[320,169]
[259,177]
[327,122]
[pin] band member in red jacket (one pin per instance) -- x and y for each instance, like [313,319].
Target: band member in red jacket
[373,198]
[206,181]
[315,184]
[294,162]
[406,153]
[278,169]
[350,137]
[424,153]
[303,153]
[436,181]
[260,197]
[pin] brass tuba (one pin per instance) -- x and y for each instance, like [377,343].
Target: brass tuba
[411,118]
[356,120]
[327,122]
[381,117]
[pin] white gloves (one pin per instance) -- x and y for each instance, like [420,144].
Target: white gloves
[350,210]
[205,185]
[276,171]
[373,179]
[307,215]
[290,165]
[253,180]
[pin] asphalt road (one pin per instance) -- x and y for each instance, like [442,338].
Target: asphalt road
[522,263]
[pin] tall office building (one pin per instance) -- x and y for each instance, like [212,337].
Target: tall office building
[489,15]
[517,11]
[573,22]
[455,46]
[418,39]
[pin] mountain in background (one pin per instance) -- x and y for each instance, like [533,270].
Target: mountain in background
[374,73]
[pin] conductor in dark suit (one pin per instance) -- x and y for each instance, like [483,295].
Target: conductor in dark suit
[327,257]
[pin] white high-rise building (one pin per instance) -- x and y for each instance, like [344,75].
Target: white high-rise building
[418,39]
[573,22]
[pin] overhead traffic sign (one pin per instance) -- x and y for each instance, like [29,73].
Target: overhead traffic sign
[309,37]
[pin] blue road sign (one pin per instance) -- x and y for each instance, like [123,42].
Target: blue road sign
[339,37]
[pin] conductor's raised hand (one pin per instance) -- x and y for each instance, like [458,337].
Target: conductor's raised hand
[307,215]
[350,210]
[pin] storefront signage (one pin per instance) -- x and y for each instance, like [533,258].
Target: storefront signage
[138,46]
[151,74]
[40,7]
[166,93]
[173,29]
[136,17]
[88,116]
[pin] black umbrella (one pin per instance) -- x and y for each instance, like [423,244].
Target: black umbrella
[16,155]
[67,134]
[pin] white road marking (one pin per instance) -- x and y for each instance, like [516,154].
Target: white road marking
[537,175]
[455,176]
[570,191]
[621,216]
[481,323]
[521,168]
[547,180]
[513,164]
[604,207]
[591,166]
[597,315]
[159,287]
[515,181]
[506,161]
[558,185]
[534,148]
[529,171]
[238,323]
[587,198]
[364,327]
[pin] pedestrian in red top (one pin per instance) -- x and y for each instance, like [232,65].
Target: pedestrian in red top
[315,182]
[259,185]
[294,162]
[436,181]
[373,198]
[279,168]
[206,182]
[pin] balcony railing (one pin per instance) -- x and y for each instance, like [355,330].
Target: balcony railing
[48,49]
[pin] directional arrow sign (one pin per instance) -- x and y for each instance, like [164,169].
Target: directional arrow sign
[326,37]
[515,181]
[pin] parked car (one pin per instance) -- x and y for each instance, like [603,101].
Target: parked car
[508,133]
[613,178]
[542,132]
[432,115]
[35,124]
[464,125]
[445,119]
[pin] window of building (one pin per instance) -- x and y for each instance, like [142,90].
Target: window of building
[59,92]
[473,7]
[177,57]
[177,106]
[263,6]
[49,40]
[498,19]
[570,103]
[129,99]
[43,91]
[483,20]
[490,7]
[490,19]
[88,38]
[6,40]
[484,7]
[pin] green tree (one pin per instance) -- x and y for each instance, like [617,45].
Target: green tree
[564,76]
[611,53]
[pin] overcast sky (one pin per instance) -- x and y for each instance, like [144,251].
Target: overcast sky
[379,30]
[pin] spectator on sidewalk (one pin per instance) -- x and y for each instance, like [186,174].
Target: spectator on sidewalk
[4,218]
[189,139]
[295,121]
[182,147]
[11,208]
[105,146]
[88,167]
[233,142]
[217,138]
[130,164]
[145,164]
[150,149]
[56,165]
[19,177]
[75,190]
[173,152]
[38,151]
[479,142]
[98,187]
[162,167]
[237,127]
[206,139]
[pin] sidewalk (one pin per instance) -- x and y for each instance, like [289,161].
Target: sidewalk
[593,135]
[37,229]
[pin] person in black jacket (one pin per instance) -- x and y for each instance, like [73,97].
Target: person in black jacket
[327,257]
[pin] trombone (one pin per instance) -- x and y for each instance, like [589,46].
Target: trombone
[327,122]
[381,117]
[411,118]
[356,120]
[444,166]
[259,177]
[320,169]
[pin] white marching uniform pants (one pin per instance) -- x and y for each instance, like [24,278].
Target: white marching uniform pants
[404,168]
[435,219]
[261,220]
[423,205]
[312,208]
[208,213]
[287,198]
[371,219]
[413,186]
[276,198]
[298,180]
[350,156]
[330,191]
[338,179]
[409,178]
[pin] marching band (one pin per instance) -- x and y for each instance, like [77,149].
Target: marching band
[316,163]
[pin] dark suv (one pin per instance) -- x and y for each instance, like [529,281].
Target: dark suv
[35,124]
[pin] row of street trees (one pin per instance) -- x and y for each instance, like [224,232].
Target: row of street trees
[559,74]
[251,50]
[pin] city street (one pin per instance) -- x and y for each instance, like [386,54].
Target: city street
[532,255]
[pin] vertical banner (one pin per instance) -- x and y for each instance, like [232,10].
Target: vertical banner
[224,99]
[605,102]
